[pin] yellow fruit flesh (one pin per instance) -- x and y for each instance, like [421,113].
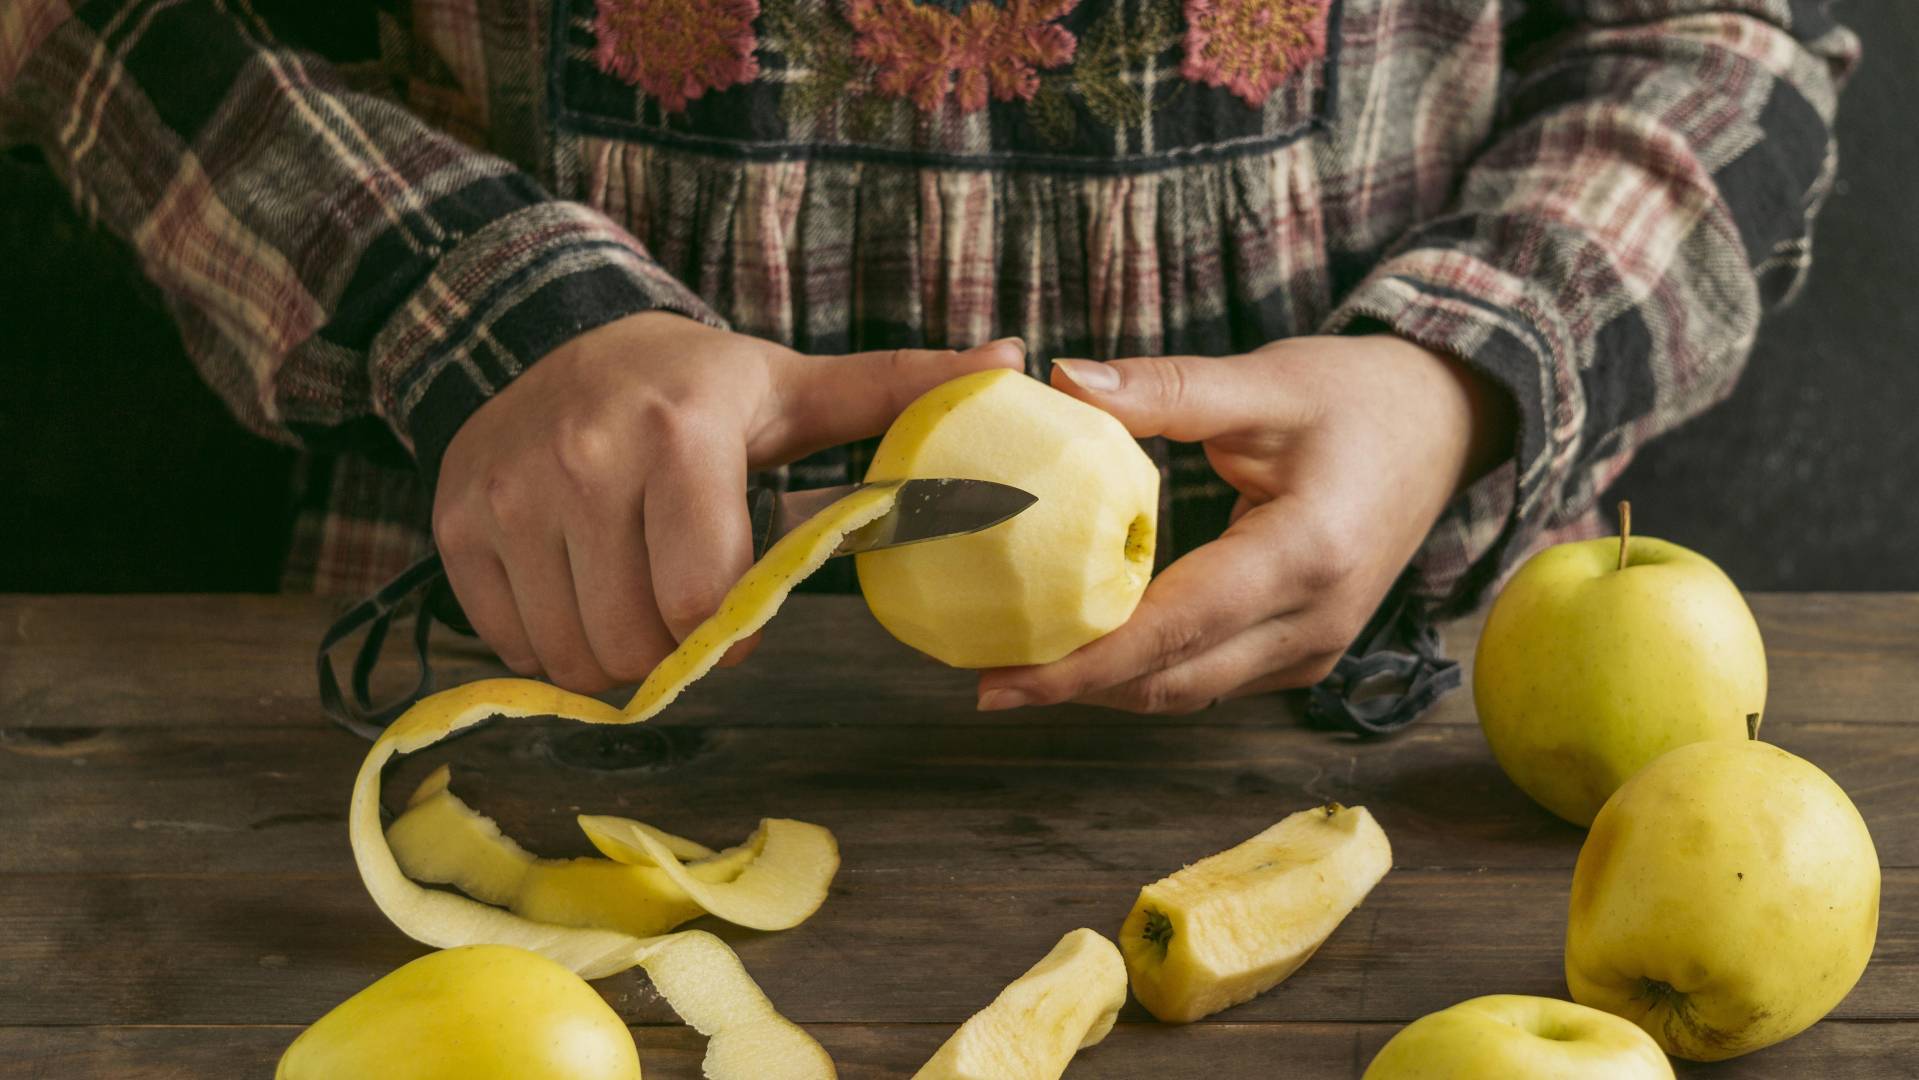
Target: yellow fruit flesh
[1067,1001]
[696,973]
[485,1012]
[1030,590]
[1233,925]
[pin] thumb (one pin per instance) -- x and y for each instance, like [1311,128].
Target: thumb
[1185,398]
[821,401]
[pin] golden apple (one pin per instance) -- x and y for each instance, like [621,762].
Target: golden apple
[1726,899]
[1586,670]
[1514,1037]
[1233,925]
[1067,1001]
[481,1012]
[1030,590]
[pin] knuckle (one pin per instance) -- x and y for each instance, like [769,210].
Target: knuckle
[1168,381]
[1160,694]
[1329,555]
[1174,638]
[585,450]
[684,609]
[507,497]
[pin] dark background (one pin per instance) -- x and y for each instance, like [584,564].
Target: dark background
[120,471]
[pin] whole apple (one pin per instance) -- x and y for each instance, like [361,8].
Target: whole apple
[1587,669]
[1726,898]
[479,1012]
[1511,1035]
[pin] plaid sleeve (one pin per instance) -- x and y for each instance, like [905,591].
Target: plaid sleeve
[1607,258]
[341,273]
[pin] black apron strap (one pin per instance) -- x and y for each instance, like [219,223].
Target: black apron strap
[426,580]
[1393,673]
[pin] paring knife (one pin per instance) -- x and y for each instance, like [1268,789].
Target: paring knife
[927,509]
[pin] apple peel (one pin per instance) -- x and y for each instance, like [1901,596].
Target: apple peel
[774,881]
[698,974]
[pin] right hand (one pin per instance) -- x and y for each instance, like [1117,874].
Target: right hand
[593,513]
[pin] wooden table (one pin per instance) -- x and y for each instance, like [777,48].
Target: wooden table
[177,897]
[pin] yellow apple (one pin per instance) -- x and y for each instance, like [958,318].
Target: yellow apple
[482,1012]
[1511,1036]
[1587,671]
[1233,925]
[1030,590]
[1064,1003]
[1726,899]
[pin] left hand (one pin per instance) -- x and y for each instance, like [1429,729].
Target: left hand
[1344,451]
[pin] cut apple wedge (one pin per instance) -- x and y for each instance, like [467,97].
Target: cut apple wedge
[1067,1001]
[1233,925]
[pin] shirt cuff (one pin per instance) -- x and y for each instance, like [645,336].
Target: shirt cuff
[497,301]
[1437,298]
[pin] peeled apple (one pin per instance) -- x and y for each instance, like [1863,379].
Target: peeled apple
[1064,1003]
[1067,570]
[1233,925]
[698,975]
[483,1012]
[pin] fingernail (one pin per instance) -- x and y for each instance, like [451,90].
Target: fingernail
[997,700]
[1018,344]
[1089,374]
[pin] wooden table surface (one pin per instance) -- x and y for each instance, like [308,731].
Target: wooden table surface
[177,898]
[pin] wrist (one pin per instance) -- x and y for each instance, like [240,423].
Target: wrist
[1482,410]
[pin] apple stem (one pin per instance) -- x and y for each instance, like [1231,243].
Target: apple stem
[1752,726]
[1625,530]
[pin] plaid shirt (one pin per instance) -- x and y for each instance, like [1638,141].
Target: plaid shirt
[1590,201]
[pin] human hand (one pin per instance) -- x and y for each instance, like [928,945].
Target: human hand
[593,513]
[1344,451]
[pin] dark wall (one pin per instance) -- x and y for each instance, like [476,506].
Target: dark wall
[1808,476]
[119,471]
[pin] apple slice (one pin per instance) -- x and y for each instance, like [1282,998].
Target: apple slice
[1233,925]
[1067,1001]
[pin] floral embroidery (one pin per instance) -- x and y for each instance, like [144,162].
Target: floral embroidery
[1251,46]
[677,50]
[925,53]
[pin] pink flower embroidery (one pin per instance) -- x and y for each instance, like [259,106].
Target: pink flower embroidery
[925,53]
[1251,46]
[677,50]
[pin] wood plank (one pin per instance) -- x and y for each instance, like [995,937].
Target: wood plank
[88,661]
[1134,1051]
[924,946]
[975,800]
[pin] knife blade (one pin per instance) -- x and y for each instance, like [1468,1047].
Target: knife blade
[926,509]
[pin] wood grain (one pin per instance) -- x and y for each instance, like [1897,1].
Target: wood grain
[1134,1051]
[163,661]
[177,896]
[1055,797]
[199,949]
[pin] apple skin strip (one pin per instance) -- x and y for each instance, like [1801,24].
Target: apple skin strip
[440,840]
[781,888]
[756,596]
[712,990]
